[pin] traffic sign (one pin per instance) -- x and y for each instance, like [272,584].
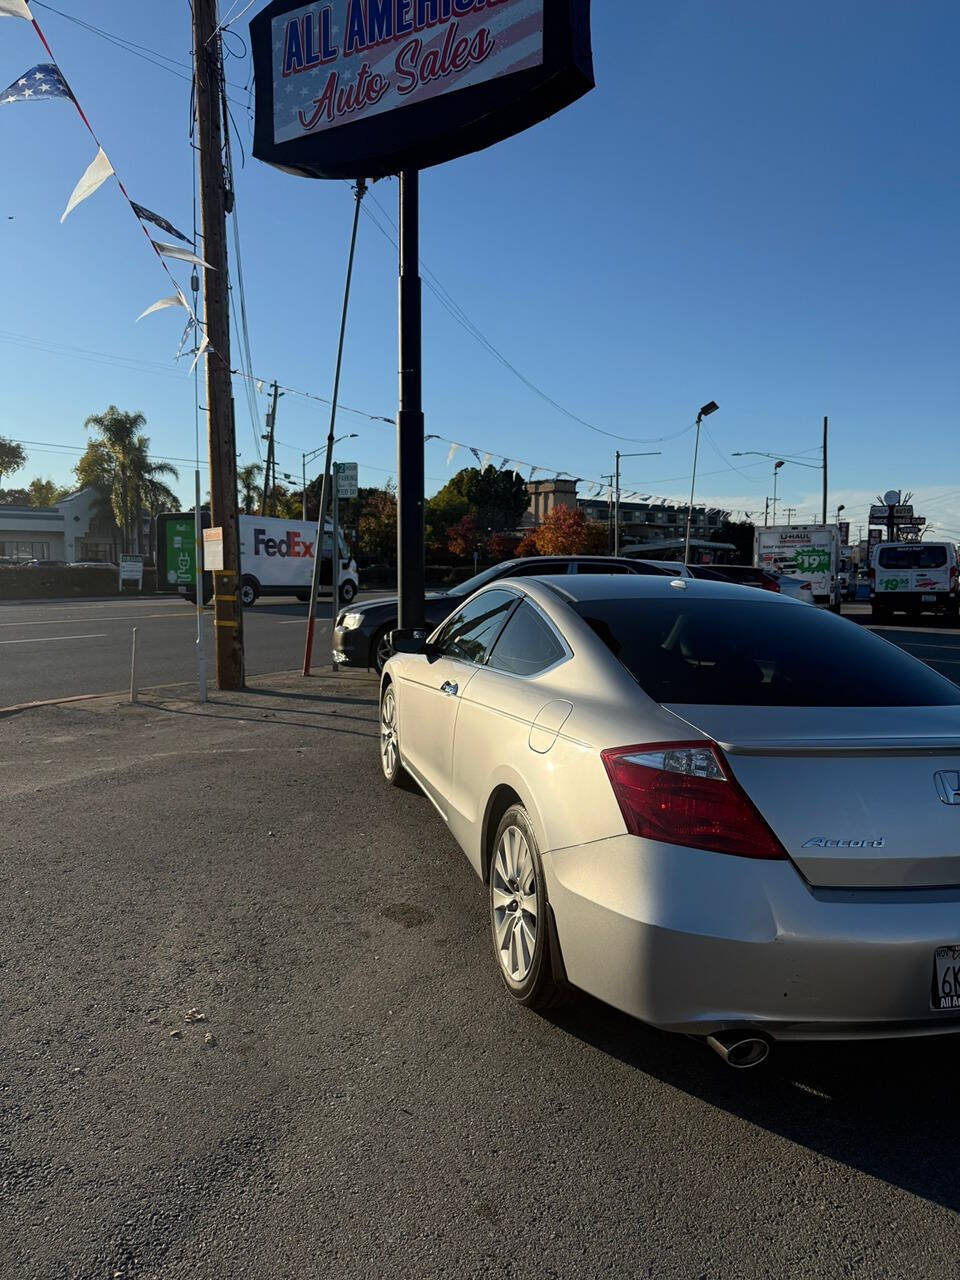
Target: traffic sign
[347,479]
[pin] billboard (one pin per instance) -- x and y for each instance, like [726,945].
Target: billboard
[364,88]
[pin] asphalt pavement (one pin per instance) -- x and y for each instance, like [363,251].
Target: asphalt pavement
[253,1029]
[62,649]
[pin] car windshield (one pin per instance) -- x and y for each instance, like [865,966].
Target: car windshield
[725,653]
[918,557]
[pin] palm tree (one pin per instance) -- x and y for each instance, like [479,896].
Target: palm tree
[247,478]
[121,469]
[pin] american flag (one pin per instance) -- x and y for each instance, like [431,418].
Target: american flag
[145,215]
[43,81]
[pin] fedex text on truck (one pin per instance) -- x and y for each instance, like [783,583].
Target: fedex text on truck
[291,545]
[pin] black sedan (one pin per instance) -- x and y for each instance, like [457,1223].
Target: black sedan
[361,637]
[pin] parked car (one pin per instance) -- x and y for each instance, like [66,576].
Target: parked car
[361,637]
[91,564]
[745,575]
[797,588]
[684,797]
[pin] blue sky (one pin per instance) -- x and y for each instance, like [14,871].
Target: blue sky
[758,205]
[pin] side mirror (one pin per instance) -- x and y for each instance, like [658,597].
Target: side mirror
[408,640]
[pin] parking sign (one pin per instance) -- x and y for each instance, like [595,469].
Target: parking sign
[347,486]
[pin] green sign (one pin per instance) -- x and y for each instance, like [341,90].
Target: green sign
[180,551]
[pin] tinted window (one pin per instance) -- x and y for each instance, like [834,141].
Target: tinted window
[471,631]
[917,557]
[527,645]
[588,566]
[537,568]
[728,653]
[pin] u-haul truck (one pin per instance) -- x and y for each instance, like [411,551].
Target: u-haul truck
[810,551]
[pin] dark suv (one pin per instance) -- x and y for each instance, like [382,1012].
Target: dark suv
[361,637]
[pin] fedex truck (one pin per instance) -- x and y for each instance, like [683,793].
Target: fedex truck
[276,558]
[808,551]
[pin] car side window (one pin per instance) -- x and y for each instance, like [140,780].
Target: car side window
[527,645]
[471,631]
[542,568]
[599,566]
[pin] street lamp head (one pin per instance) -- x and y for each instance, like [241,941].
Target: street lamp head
[778,465]
[842,507]
[707,409]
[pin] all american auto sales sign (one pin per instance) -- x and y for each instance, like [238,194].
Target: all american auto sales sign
[358,58]
[358,88]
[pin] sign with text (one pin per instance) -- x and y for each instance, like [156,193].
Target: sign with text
[347,479]
[878,514]
[363,88]
[131,570]
[213,548]
[177,545]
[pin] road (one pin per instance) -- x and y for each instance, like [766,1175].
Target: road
[371,1104]
[60,650]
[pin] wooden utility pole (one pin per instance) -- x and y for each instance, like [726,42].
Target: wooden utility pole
[269,475]
[208,76]
[825,426]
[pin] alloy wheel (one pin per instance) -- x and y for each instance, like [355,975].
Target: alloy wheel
[516,909]
[389,756]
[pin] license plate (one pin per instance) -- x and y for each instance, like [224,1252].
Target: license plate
[929,599]
[946,978]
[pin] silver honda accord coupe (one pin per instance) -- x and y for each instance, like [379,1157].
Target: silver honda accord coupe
[719,810]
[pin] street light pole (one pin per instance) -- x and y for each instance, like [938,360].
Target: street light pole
[707,409]
[616,492]
[776,468]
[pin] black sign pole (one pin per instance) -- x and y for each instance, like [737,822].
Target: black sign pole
[410,544]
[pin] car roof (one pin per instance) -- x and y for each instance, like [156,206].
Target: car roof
[605,586]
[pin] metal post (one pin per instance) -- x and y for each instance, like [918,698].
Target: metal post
[198,579]
[693,482]
[410,538]
[616,505]
[766,512]
[359,192]
[133,667]
[335,560]
[775,470]
[824,471]
[304,458]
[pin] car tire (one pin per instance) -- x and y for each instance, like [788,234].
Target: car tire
[520,922]
[394,772]
[249,590]
[348,591]
[380,648]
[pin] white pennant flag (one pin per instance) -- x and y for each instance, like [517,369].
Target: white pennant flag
[175,300]
[450,455]
[15,9]
[205,342]
[260,385]
[175,251]
[96,175]
[486,461]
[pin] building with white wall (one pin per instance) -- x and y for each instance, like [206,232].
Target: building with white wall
[60,532]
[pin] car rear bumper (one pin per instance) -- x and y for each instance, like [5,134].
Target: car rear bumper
[914,602]
[698,942]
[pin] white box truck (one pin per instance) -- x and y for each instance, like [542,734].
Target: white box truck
[276,559]
[810,551]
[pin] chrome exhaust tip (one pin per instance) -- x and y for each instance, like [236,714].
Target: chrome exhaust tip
[740,1049]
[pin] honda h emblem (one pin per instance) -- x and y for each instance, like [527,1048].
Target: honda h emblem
[948,786]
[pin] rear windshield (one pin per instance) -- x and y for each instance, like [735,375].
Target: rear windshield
[741,653]
[918,557]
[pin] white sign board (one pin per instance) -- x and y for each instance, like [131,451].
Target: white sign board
[347,479]
[343,60]
[131,570]
[213,549]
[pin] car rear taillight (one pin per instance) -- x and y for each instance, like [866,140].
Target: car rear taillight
[769,583]
[683,793]
[953,577]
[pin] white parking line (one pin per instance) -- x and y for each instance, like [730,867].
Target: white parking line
[130,617]
[99,635]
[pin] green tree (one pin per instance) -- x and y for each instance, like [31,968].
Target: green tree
[494,500]
[128,481]
[377,525]
[248,489]
[12,457]
[740,533]
[44,493]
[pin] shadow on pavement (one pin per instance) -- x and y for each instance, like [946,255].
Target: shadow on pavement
[267,719]
[884,1107]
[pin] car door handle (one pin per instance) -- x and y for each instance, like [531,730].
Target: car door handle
[449,688]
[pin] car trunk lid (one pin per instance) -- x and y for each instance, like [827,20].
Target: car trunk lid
[858,796]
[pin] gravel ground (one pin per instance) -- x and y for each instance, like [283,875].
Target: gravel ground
[358,1097]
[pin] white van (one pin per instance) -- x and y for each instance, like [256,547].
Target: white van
[276,559]
[914,577]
